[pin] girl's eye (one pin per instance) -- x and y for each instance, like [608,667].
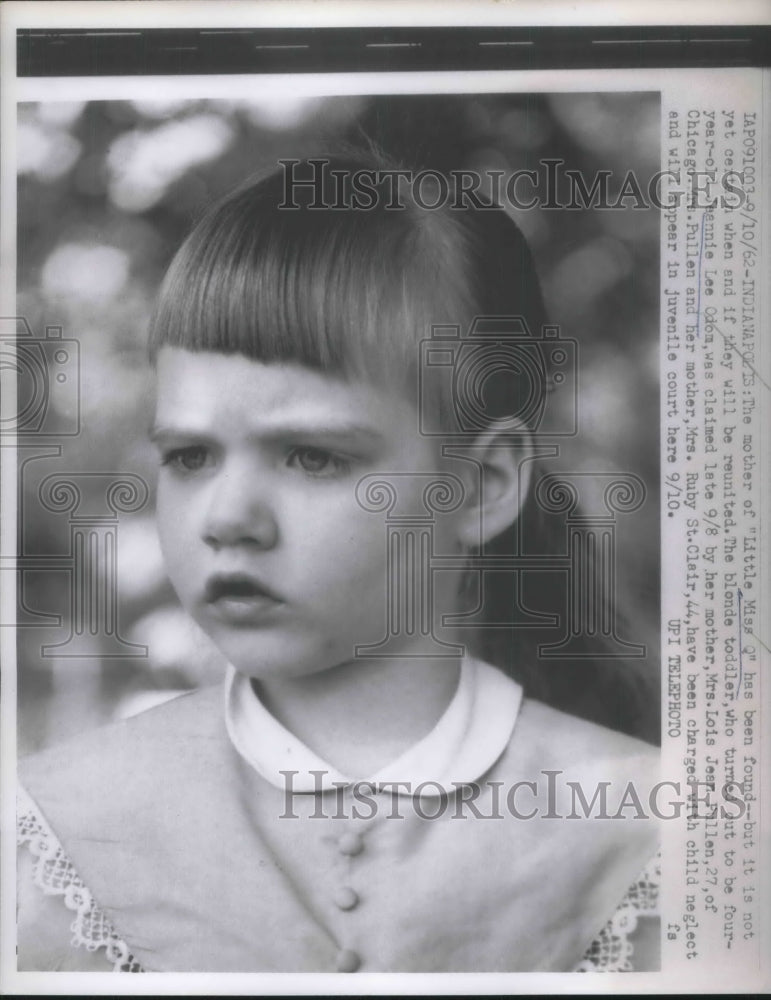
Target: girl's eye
[192,458]
[318,462]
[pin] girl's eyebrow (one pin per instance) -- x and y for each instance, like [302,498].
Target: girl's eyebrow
[320,432]
[158,431]
[284,431]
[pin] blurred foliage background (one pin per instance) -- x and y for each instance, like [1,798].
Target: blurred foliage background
[107,190]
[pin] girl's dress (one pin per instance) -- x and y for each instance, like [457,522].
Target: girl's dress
[188,839]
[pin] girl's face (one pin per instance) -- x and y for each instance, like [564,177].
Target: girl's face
[263,536]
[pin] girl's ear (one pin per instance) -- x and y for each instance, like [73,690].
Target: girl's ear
[500,485]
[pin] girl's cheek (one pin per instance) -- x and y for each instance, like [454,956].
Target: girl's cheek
[174,534]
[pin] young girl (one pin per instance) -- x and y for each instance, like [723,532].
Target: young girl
[365,792]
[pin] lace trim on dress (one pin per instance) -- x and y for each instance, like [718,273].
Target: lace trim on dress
[611,950]
[55,874]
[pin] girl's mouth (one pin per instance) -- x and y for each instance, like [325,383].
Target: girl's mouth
[239,599]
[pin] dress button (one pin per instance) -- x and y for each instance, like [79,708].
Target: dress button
[346,898]
[347,960]
[351,844]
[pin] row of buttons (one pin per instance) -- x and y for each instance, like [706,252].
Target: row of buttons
[346,898]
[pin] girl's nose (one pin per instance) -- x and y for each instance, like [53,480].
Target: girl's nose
[239,515]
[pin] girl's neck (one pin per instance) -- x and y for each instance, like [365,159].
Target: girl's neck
[361,715]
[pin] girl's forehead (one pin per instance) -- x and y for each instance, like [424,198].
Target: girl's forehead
[205,385]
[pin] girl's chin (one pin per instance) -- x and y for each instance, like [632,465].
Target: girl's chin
[272,666]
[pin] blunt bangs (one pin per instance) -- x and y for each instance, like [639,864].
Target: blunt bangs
[340,290]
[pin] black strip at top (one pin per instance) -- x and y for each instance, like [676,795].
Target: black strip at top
[162,51]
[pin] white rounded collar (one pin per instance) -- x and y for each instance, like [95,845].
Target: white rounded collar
[466,741]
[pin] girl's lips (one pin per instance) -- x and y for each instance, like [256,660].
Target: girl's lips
[236,585]
[239,599]
[245,611]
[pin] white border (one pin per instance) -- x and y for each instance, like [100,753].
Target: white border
[369,13]
[273,13]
